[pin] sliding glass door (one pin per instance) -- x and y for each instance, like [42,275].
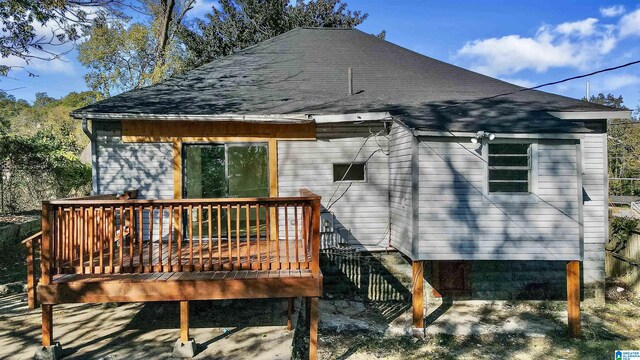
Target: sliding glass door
[225,171]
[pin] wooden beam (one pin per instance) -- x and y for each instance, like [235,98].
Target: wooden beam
[177,170]
[45,247]
[273,191]
[184,321]
[208,131]
[417,292]
[573,297]
[313,328]
[179,290]
[47,325]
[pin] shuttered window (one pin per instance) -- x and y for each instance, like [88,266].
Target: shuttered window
[509,168]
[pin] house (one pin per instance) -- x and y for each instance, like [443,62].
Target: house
[405,151]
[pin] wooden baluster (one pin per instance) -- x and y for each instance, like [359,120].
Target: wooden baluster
[169,244]
[268,237]
[63,248]
[190,224]
[219,213]
[92,232]
[112,235]
[286,236]
[161,217]
[131,237]
[151,238]
[305,234]
[295,216]
[259,254]
[140,238]
[179,238]
[83,236]
[101,240]
[57,241]
[121,242]
[210,266]
[230,265]
[72,235]
[201,265]
[248,233]
[238,236]
[276,233]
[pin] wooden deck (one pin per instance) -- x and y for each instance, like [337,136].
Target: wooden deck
[180,286]
[95,250]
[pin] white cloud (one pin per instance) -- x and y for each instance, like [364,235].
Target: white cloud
[630,24]
[520,82]
[573,44]
[584,27]
[201,7]
[612,11]
[616,82]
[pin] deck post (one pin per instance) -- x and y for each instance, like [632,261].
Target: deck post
[47,325]
[313,328]
[418,293]
[573,297]
[289,312]
[184,321]
[184,348]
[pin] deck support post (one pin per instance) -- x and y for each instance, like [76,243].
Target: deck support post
[47,325]
[417,292]
[313,328]
[184,348]
[184,321]
[289,313]
[573,297]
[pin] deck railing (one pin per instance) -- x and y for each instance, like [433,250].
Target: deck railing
[105,236]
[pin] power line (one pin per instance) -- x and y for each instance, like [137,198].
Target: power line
[549,83]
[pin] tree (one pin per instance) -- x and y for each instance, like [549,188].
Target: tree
[238,24]
[123,57]
[37,29]
[623,148]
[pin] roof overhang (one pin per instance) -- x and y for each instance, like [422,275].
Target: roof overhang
[271,118]
[469,135]
[591,115]
[354,117]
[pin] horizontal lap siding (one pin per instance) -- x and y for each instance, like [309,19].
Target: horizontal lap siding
[458,223]
[362,208]
[147,167]
[595,206]
[400,188]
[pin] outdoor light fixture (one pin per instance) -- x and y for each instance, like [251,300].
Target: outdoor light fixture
[483,135]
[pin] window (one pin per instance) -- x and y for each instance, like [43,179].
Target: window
[509,168]
[349,172]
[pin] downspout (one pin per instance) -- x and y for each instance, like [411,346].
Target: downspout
[95,186]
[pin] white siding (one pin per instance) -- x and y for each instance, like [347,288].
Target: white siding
[595,206]
[147,167]
[457,222]
[401,158]
[361,209]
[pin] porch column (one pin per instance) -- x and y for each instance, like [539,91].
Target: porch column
[184,348]
[184,321]
[573,297]
[417,292]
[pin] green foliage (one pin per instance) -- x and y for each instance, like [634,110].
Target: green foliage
[119,58]
[64,21]
[621,230]
[238,24]
[39,150]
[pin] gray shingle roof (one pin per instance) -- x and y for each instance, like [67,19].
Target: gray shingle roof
[304,71]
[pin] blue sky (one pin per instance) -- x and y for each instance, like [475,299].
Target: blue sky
[527,43]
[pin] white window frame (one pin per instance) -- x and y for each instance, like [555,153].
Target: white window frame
[532,196]
[365,165]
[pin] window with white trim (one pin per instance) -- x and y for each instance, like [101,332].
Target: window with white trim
[509,166]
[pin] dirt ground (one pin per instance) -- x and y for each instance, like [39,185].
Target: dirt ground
[242,329]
